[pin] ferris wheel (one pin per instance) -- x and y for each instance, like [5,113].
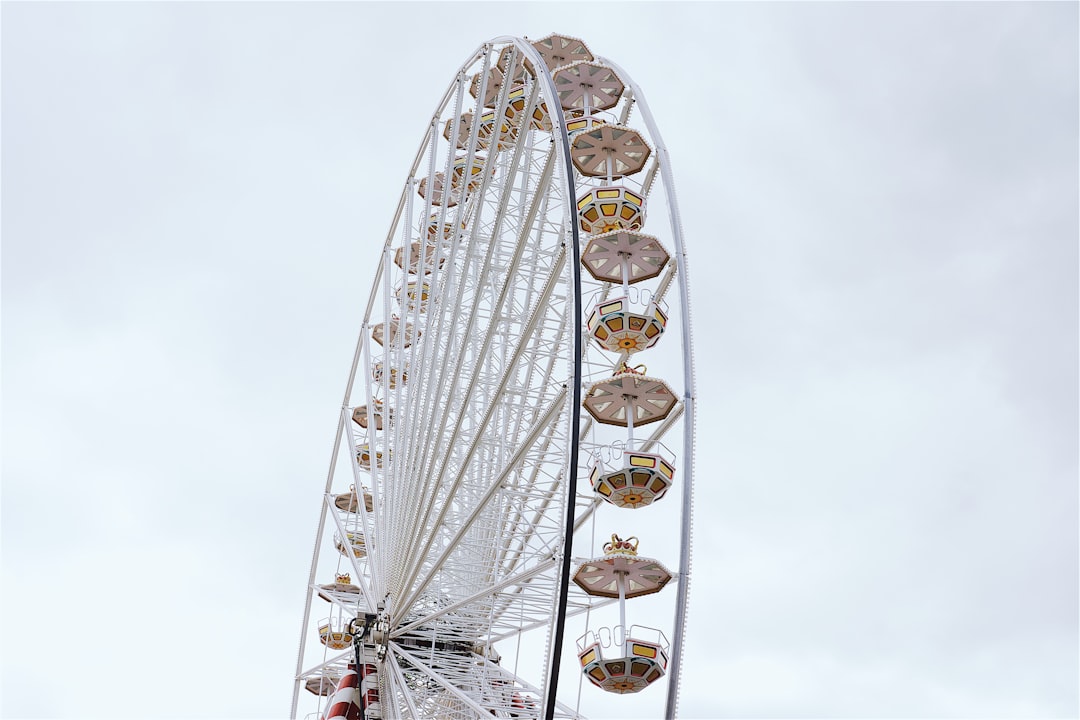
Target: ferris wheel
[503,452]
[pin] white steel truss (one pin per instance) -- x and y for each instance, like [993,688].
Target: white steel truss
[473,384]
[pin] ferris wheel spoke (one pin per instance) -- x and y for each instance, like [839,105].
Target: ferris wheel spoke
[506,624]
[531,488]
[525,338]
[524,227]
[454,371]
[562,710]
[354,562]
[515,461]
[524,533]
[457,414]
[452,663]
[525,610]
[399,689]
[450,443]
[372,520]
[520,532]
[338,661]
[496,589]
[352,605]
[393,357]
[367,522]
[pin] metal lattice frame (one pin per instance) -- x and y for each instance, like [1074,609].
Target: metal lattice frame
[475,505]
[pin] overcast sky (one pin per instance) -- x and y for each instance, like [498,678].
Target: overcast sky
[880,207]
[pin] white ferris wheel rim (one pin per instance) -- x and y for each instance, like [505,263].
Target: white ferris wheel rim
[372,576]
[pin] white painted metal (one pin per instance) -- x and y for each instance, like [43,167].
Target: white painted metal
[468,544]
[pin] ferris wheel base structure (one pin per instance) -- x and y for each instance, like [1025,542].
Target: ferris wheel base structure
[502,449]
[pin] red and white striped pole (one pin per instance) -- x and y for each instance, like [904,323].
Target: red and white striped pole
[346,700]
[369,687]
[357,694]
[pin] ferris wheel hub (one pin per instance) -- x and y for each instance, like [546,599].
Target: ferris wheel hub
[380,635]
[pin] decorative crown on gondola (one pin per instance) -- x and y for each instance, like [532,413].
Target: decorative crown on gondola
[623,547]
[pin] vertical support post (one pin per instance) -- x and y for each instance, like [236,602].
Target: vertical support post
[621,582]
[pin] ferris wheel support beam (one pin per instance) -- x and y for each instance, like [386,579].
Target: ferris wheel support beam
[514,263]
[365,520]
[527,443]
[688,393]
[431,349]
[433,135]
[516,522]
[493,668]
[378,506]
[558,122]
[350,606]
[338,659]
[457,372]
[421,549]
[518,457]
[498,587]
[460,359]
[504,197]
[399,681]
[461,206]
[530,525]
[369,601]
[593,604]
[403,200]
[439,680]
[395,344]
[515,542]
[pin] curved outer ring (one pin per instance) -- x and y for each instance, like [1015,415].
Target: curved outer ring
[689,392]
